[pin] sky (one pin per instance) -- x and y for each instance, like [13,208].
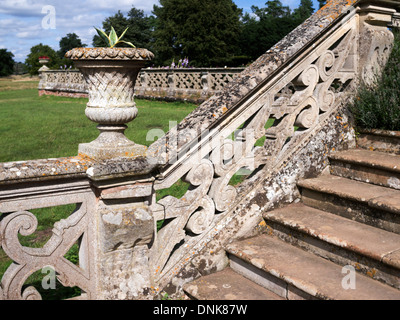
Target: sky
[25,23]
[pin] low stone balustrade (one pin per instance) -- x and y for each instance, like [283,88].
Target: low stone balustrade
[185,84]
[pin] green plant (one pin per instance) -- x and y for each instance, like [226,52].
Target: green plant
[378,106]
[112,39]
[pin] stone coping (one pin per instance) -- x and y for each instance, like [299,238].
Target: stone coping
[73,167]
[195,69]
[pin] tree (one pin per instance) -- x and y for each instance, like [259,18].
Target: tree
[20,68]
[139,32]
[304,11]
[205,31]
[140,28]
[70,41]
[270,25]
[6,63]
[32,61]
[321,3]
[274,9]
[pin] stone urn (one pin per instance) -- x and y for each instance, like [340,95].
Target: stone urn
[110,74]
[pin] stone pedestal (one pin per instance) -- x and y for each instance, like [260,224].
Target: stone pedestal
[125,227]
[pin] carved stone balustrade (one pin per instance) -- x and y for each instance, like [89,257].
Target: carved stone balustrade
[112,223]
[192,84]
[240,153]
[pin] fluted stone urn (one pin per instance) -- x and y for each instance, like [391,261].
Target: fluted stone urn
[110,74]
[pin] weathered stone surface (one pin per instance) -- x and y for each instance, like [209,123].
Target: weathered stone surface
[125,226]
[265,67]
[338,239]
[367,166]
[227,285]
[124,274]
[74,167]
[44,169]
[17,219]
[109,54]
[192,84]
[371,204]
[264,192]
[303,84]
[379,140]
[311,274]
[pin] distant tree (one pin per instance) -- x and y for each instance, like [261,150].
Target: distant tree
[140,28]
[139,32]
[266,27]
[32,61]
[321,3]
[70,41]
[20,68]
[304,11]
[6,63]
[273,9]
[205,31]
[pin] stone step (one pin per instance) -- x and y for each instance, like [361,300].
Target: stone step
[227,285]
[379,140]
[374,167]
[294,273]
[372,251]
[370,204]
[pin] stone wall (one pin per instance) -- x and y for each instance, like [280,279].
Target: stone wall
[193,84]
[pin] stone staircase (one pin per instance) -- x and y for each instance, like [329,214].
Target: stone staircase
[341,241]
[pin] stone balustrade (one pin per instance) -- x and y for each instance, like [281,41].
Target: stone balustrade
[273,124]
[184,84]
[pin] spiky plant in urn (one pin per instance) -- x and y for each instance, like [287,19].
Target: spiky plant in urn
[110,74]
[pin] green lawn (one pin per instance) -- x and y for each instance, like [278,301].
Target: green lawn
[34,127]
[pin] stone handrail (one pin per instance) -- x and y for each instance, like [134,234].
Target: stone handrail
[184,84]
[273,124]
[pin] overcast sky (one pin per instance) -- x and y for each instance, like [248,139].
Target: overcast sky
[25,23]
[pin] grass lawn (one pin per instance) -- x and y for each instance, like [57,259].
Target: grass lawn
[34,127]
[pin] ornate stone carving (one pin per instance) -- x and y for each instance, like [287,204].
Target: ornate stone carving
[110,54]
[194,213]
[26,260]
[377,41]
[302,98]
